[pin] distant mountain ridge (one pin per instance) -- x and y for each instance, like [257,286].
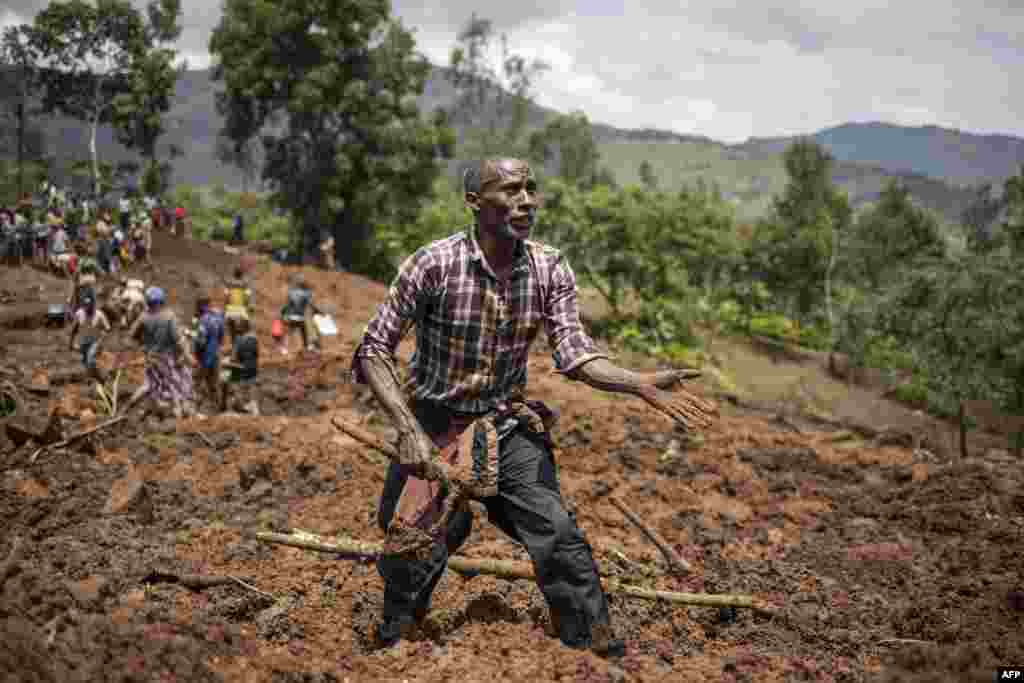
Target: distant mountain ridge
[955,156]
[932,161]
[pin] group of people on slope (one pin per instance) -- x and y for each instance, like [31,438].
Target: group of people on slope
[184,365]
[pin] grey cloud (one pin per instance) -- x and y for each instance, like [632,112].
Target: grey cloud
[760,23]
[453,15]
[727,58]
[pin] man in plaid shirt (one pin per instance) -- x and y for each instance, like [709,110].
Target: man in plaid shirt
[478,300]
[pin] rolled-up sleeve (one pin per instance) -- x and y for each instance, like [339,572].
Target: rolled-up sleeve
[403,306]
[571,346]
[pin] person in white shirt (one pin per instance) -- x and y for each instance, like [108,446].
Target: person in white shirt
[126,210]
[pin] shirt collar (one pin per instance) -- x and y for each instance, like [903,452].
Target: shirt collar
[476,253]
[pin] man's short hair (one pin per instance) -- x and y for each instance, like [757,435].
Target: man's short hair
[471,178]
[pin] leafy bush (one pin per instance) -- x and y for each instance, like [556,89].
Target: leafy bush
[913,393]
[774,325]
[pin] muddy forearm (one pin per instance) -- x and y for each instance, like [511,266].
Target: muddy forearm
[381,378]
[602,374]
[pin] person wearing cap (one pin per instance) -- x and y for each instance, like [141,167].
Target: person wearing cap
[95,326]
[167,377]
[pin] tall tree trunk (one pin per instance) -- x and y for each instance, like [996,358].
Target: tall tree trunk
[962,420]
[21,136]
[1018,437]
[828,287]
[94,124]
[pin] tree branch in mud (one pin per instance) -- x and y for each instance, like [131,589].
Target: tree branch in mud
[201,581]
[677,565]
[13,560]
[505,569]
[76,437]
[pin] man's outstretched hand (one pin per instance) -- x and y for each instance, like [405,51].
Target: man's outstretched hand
[692,412]
[667,379]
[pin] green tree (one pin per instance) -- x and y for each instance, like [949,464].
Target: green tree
[962,321]
[891,236]
[647,176]
[797,244]
[331,87]
[139,113]
[18,54]
[491,103]
[243,155]
[87,51]
[979,218]
[567,144]
[1013,220]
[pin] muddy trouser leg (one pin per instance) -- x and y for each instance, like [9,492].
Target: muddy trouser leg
[529,508]
[408,585]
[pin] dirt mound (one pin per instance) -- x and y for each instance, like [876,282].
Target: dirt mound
[887,564]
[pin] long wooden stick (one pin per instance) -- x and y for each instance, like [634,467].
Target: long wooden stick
[676,564]
[75,437]
[365,437]
[505,569]
[201,581]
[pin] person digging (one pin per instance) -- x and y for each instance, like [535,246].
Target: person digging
[131,301]
[93,324]
[478,299]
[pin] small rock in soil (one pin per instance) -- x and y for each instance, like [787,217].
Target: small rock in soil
[130,495]
[88,591]
[259,490]
[251,472]
[273,624]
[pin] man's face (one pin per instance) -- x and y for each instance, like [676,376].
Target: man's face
[507,203]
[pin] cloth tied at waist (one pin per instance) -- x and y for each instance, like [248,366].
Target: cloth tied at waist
[469,456]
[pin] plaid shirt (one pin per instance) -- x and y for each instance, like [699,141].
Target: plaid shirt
[473,333]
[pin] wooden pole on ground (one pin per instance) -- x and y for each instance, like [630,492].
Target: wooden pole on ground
[677,565]
[505,569]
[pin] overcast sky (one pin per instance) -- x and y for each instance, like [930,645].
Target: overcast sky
[731,70]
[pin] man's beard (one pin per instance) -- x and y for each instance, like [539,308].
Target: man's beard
[509,231]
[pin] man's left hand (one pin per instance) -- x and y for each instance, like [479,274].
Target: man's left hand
[667,379]
[682,407]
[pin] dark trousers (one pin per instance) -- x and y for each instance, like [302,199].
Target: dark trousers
[528,508]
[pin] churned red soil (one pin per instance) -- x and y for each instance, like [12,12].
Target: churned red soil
[887,563]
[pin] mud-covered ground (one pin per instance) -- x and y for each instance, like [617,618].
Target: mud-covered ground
[887,563]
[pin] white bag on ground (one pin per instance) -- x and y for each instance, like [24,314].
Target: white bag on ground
[325,325]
